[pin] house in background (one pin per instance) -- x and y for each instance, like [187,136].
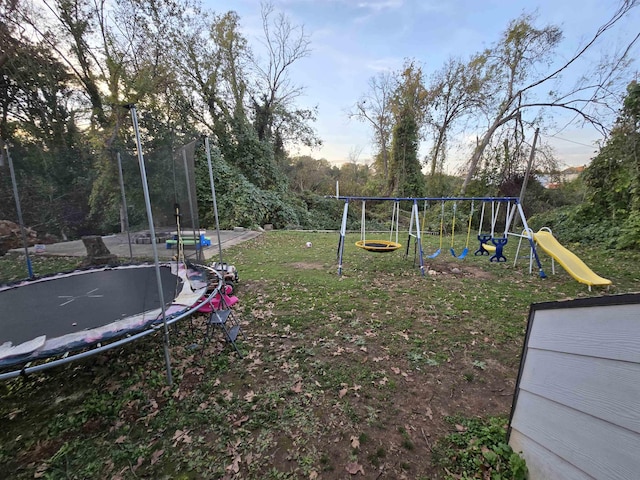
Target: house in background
[567,175]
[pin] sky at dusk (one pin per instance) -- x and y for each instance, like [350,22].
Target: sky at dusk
[353,40]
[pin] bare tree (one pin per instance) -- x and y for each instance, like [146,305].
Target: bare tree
[456,90]
[374,107]
[273,101]
[512,64]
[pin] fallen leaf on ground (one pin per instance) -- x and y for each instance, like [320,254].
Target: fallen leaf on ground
[429,413]
[235,465]
[138,464]
[14,414]
[353,468]
[156,456]
[250,396]
[227,395]
[342,392]
[355,443]
[239,422]
[181,436]
[41,470]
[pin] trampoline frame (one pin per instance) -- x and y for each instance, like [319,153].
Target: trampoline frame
[89,350]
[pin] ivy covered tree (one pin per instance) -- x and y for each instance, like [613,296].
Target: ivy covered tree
[613,177]
[410,100]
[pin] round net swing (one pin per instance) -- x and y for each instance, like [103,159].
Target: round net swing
[380,246]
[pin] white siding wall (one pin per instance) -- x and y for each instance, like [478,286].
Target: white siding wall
[577,413]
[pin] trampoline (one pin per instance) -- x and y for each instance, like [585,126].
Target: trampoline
[85,309]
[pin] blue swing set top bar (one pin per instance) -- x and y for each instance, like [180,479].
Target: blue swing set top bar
[430,199]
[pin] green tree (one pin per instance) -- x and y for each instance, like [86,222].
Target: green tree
[613,177]
[307,174]
[37,118]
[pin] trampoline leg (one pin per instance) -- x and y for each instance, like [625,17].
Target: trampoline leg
[167,359]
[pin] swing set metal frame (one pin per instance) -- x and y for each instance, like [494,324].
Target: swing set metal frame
[513,206]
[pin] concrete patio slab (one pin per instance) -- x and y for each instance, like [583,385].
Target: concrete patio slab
[118,244]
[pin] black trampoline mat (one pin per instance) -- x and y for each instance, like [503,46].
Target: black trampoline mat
[81,301]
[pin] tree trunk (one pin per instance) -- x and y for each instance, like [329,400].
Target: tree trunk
[480,147]
[436,150]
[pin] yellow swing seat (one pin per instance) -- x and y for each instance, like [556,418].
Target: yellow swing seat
[379,246]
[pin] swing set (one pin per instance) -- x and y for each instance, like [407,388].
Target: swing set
[512,207]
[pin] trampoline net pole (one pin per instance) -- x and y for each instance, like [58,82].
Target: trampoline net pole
[183,166]
[213,196]
[145,188]
[190,196]
[23,232]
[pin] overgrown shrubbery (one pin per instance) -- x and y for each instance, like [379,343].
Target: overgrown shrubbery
[478,449]
[578,223]
[589,223]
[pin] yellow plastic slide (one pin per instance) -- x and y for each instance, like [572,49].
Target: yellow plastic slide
[568,260]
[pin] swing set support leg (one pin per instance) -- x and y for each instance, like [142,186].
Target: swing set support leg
[343,232]
[531,242]
[415,212]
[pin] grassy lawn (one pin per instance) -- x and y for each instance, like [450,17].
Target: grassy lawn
[342,376]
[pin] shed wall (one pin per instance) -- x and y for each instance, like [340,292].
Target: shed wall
[576,411]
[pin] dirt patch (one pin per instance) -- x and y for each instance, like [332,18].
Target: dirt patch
[458,269]
[477,272]
[378,395]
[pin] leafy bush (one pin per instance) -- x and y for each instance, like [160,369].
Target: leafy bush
[630,232]
[478,449]
[240,202]
[579,224]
